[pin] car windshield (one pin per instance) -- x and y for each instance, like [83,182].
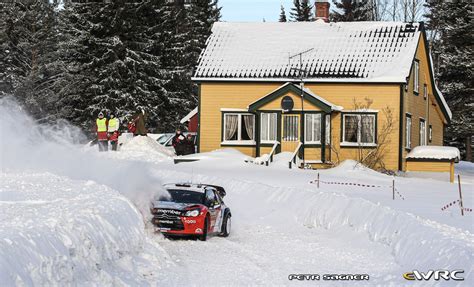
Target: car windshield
[163,138]
[183,196]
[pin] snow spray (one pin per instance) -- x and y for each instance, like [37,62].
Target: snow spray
[56,148]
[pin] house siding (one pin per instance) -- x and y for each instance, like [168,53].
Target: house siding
[418,107]
[215,96]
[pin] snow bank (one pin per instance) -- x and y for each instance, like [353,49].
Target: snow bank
[435,152]
[145,144]
[59,232]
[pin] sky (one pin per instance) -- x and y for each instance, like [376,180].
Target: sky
[253,10]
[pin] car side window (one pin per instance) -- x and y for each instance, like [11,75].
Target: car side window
[210,197]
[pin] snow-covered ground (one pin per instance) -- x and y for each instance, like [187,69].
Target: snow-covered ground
[71,216]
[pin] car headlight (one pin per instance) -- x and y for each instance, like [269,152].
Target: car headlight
[192,213]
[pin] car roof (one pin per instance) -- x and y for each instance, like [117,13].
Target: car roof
[197,187]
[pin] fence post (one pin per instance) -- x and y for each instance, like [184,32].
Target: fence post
[393,189]
[460,195]
[318,179]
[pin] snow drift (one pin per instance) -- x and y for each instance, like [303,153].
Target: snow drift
[146,145]
[57,231]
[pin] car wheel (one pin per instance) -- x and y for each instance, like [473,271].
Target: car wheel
[226,225]
[203,237]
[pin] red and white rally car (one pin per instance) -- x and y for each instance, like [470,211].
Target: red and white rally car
[192,209]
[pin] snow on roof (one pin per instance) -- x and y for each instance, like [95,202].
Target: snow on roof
[434,152]
[443,100]
[189,116]
[343,52]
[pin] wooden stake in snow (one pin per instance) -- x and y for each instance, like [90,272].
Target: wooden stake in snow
[460,195]
[318,179]
[393,189]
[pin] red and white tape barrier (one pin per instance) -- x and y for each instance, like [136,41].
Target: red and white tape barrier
[357,184]
[450,204]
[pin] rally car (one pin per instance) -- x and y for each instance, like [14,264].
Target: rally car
[192,210]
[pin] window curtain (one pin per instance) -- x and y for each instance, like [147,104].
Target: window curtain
[367,129]
[249,125]
[273,128]
[308,133]
[268,125]
[313,127]
[328,129]
[350,128]
[264,127]
[231,124]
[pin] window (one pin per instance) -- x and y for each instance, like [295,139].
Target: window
[312,124]
[422,132]
[416,75]
[430,133]
[239,128]
[211,199]
[358,129]
[328,129]
[425,91]
[408,132]
[268,127]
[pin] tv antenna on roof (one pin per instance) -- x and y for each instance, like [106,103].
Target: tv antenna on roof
[302,73]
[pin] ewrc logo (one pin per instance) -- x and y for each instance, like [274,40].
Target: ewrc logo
[436,274]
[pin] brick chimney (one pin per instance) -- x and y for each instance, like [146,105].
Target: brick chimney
[322,10]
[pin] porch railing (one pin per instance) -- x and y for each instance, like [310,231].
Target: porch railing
[272,153]
[294,157]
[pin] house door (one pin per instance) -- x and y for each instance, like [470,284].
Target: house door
[290,132]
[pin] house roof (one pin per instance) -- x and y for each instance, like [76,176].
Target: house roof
[284,89]
[341,52]
[189,116]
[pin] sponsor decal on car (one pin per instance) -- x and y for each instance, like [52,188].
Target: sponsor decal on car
[190,221]
[169,211]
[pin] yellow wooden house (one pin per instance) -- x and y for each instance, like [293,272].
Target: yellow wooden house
[358,89]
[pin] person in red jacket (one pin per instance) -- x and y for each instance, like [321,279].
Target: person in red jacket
[101,129]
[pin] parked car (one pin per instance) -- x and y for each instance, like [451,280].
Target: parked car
[192,210]
[168,142]
[163,138]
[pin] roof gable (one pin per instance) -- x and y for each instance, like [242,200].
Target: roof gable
[346,51]
[290,87]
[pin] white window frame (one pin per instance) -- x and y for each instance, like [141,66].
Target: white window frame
[408,125]
[239,140]
[422,131]
[268,127]
[416,77]
[359,130]
[425,91]
[320,128]
[328,129]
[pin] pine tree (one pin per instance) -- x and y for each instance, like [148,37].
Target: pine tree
[27,55]
[295,13]
[301,11]
[114,52]
[306,11]
[452,44]
[282,14]
[351,10]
